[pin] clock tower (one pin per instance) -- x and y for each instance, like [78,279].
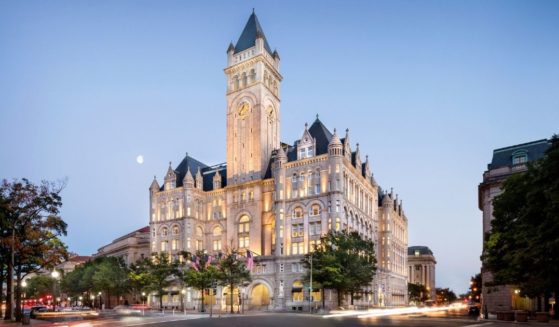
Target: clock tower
[253,104]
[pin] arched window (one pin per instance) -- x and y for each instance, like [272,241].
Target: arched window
[164,231]
[176,230]
[244,79]
[297,291]
[338,226]
[199,231]
[315,210]
[244,232]
[298,212]
[217,231]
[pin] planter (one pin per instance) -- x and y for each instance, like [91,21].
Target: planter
[500,315]
[508,316]
[542,317]
[521,316]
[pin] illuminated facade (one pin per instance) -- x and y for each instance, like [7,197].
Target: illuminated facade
[276,199]
[421,268]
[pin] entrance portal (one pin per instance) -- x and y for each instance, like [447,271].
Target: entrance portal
[260,297]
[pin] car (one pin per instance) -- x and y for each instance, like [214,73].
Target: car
[37,308]
[127,310]
[474,309]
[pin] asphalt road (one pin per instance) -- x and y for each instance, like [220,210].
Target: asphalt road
[281,320]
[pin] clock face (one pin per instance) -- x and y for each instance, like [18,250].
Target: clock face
[243,110]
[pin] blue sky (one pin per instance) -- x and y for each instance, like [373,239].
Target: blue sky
[428,89]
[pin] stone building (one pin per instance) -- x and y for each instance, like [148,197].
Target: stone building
[506,162]
[276,199]
[131,247]
[421,268]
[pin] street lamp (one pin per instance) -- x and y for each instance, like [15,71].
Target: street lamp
[55,275]
[144,298]
[100,305]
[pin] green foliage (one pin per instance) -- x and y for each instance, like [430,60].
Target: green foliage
[204,276]
[232,272]
[445,295]
[417,293]
[30,230]
[344,261]
[523,247]
[474,292]
[160,272]
[39,286]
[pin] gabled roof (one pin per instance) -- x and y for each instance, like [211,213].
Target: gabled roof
[247,39]
[534,150]
[321,135]
[186,163]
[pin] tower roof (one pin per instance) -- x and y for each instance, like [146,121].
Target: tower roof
[251,31]
[322,136]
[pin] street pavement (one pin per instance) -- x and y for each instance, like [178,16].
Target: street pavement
[284,320]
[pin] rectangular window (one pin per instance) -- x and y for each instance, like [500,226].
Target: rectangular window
[164,246]
[243,242]
[217,245]
[175,245]
[297,248]
[297,230]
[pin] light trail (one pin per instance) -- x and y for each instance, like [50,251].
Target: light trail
[373,313]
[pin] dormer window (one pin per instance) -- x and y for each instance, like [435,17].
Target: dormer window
[519,157]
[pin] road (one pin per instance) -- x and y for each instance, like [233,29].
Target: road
[282,320]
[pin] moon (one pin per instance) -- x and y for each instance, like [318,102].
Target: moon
[140,159]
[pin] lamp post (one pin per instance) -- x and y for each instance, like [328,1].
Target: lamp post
[23,285]
[55,275]
[183,292]
[100,305]
[310,286]
[144,298]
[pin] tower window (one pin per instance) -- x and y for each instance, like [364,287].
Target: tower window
[519,157]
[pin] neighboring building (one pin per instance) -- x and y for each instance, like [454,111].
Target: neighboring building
[506,162]
[421,268]
[276,199]
[130,247]
[69,265]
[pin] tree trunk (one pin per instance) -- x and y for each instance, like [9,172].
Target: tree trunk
[108,299]
[9,278]
[231,291]
[323,299]
[18,298]
[351,297]
[203,308]
[1,283]
[338,291]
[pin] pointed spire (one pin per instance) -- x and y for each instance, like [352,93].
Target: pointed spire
[199,179]
[217,180]
[250,33]
[188,179]
[335,139]
[154,184]
[231,47]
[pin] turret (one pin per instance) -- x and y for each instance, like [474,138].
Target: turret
[154,187]
[217,180]
[170,178]
[199,180]
[335,148]
[188,180]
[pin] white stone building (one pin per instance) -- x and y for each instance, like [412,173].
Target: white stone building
[421,268]
[505,163]
[277,199]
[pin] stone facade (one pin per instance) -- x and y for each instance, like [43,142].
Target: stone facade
[276,199]
[506,162]
[421,268]
[131,247]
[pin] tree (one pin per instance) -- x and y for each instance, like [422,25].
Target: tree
[161,272]
[40,286]
[522,248]
[29,237]
[417,293]
[202,275]
[232,272]
[344,261]
[111,277]
[445,295]
[474,292]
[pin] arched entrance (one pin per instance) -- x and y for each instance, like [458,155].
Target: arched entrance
[260,297]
